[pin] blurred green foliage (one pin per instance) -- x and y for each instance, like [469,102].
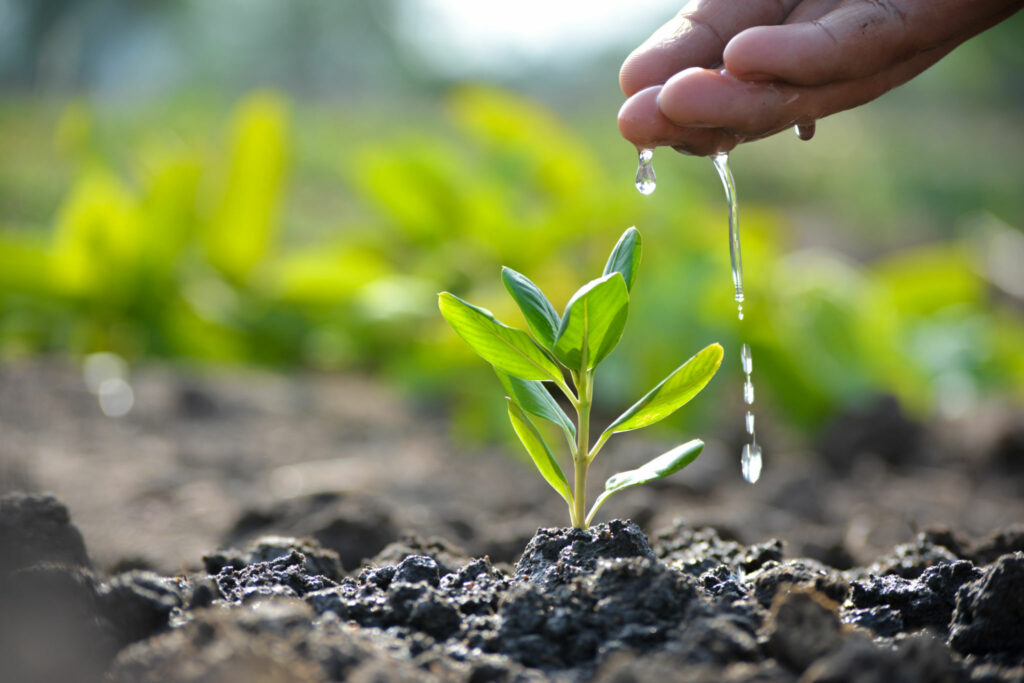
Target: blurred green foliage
[319,238]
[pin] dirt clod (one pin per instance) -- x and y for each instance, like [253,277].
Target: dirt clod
[36,528]
[805,627]
[926,601]
[989,614]
[555,556]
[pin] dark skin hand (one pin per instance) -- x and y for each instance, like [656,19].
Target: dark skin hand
[722,72]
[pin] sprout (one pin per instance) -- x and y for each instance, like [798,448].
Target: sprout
[565,351]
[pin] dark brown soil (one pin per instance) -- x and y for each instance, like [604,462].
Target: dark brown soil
[254,527]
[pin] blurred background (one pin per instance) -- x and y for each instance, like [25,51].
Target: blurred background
[287,185]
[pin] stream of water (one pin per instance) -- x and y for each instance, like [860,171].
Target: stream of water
[646,182]
[750,458]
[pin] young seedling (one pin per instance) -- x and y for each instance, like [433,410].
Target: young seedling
[573,344]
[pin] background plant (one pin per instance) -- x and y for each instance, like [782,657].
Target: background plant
[126,223]
[574,344]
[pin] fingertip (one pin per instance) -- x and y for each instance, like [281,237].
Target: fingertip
[685,97]
[750,54]
[802,53]
[641,122]
[632,74]
[646,66]
[677,44]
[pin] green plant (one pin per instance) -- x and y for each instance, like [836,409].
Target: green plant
[574,344]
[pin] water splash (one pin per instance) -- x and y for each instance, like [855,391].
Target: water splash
[646,181]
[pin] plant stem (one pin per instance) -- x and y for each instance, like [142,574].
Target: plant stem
[581,460]
[597,447]
[568,394]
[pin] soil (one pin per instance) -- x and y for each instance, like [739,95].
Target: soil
[251,527]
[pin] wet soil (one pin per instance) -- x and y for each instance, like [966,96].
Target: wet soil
[245,527]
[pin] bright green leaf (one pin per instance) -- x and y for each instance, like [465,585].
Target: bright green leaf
[506,348]
[532,397]
[625,257]
[539,451]
[243,227]
[672,393]
[539,313]
[593,322]
[664,465]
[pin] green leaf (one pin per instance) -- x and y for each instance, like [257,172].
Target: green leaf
[625,257]
[532,397]
[672,393]
[506,348]
[659,468]
[593,322]
[539,451]
[539,313]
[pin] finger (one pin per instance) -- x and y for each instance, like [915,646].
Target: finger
[854,40]
[642,123]
[695,37]
[717,99]
[809,10]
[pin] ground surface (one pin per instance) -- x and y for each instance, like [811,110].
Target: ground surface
[217,461]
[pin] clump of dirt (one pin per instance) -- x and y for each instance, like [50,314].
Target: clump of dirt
[604,604]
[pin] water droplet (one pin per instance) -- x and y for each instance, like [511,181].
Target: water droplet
[750,462]
[739,311]
[646,181]
[804,131]
[746,359]
[748,392]
[750,423]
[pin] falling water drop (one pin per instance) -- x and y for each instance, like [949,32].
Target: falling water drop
[750,462]
[646,181]
[804,131]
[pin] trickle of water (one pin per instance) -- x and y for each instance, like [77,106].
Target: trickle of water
[721,162]
[646,181]
[750,462]
[804,131]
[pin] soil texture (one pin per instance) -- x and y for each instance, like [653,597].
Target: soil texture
[245,527]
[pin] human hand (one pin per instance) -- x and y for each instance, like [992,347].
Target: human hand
[786,62]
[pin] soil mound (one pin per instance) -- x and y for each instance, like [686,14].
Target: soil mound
[603,604]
